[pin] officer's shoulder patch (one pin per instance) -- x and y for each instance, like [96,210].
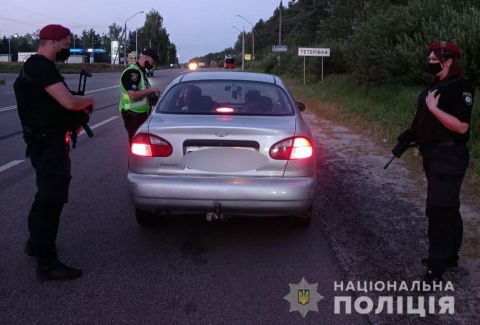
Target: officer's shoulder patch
[134,76]
[134,87]
[467,98]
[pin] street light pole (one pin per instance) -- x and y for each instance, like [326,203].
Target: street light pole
[125,44]
[136,43]
[243,46]
[9,50]
[125,38]
[280,8]
[253,35]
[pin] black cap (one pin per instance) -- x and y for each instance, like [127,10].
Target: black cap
[151,53]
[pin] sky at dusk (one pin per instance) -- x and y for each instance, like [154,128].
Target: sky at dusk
[197,27]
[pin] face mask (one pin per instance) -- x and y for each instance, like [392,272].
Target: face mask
[63,55]
[148,65]
[435,68]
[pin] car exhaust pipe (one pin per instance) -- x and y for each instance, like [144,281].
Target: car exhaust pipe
[216,214]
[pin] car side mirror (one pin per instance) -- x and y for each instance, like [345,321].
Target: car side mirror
[301,106]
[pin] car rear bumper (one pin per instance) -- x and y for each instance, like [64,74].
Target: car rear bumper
[262,196]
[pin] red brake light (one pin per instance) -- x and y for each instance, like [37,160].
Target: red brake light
[292,148]
[224,110]
[148,145]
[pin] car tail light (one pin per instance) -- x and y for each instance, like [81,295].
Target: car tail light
[292,148]
[148,145]
[224,110]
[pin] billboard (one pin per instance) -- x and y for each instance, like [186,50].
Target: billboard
[114,51]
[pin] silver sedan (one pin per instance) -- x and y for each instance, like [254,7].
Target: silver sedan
[223,144]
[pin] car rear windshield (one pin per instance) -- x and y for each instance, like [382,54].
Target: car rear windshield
[226,97]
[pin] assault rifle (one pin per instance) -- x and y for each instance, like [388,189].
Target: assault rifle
[405,140]
[80,118]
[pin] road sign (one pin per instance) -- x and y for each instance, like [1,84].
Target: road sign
[308,51]
[279,48]
[248,57]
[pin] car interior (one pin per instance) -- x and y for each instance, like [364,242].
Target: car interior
[241,99]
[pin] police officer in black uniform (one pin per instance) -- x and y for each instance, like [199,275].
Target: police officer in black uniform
[441,127]
[45,105]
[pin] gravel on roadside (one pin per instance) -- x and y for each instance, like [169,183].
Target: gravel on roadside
[379,228]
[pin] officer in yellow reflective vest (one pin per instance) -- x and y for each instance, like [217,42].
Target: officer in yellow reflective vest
[135,92]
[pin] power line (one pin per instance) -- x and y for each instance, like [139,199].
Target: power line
[18,21]
[23,9]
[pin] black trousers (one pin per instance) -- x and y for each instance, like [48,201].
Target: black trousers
[132,121]
[49,155]
[445,168]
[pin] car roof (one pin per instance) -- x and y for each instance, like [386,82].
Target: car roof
[228,75]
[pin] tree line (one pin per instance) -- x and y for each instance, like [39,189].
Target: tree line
[152,34]
[376,41]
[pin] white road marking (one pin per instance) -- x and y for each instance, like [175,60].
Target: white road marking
[11,164]
[9,108]
[101,89]
[108,120]
[14,163]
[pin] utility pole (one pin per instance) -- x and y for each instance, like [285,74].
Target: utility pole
[243,45]
[279,29]
[253,35]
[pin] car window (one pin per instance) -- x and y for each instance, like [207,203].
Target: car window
[226,97]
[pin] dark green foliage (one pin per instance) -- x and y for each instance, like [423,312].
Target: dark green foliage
[377,41]
[392,45]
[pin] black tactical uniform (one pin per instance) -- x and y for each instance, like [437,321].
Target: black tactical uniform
[445,160]
[45,124]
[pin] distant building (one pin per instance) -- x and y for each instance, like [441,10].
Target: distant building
[5,58]
[76,59]
[23,56]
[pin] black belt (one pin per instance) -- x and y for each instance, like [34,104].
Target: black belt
[449,143]
[130,112]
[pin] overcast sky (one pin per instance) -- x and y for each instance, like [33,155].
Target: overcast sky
[197,27]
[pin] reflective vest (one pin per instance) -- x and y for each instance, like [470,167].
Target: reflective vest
[140,105]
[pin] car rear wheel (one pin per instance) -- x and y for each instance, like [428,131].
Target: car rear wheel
[147,219]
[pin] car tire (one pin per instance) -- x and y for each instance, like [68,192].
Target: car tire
[303,220]
[147,219]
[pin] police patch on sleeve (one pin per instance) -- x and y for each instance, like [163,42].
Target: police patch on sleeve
[467,98]
[134,76]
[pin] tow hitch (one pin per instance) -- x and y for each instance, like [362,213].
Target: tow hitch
[216,214]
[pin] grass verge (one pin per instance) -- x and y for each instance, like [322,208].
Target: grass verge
[382,111]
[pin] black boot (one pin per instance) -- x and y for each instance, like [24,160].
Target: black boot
[57,271]
[450,262]
[432,277]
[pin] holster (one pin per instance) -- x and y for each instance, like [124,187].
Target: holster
[31,138]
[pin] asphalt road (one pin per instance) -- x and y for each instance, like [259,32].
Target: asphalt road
[185,271]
